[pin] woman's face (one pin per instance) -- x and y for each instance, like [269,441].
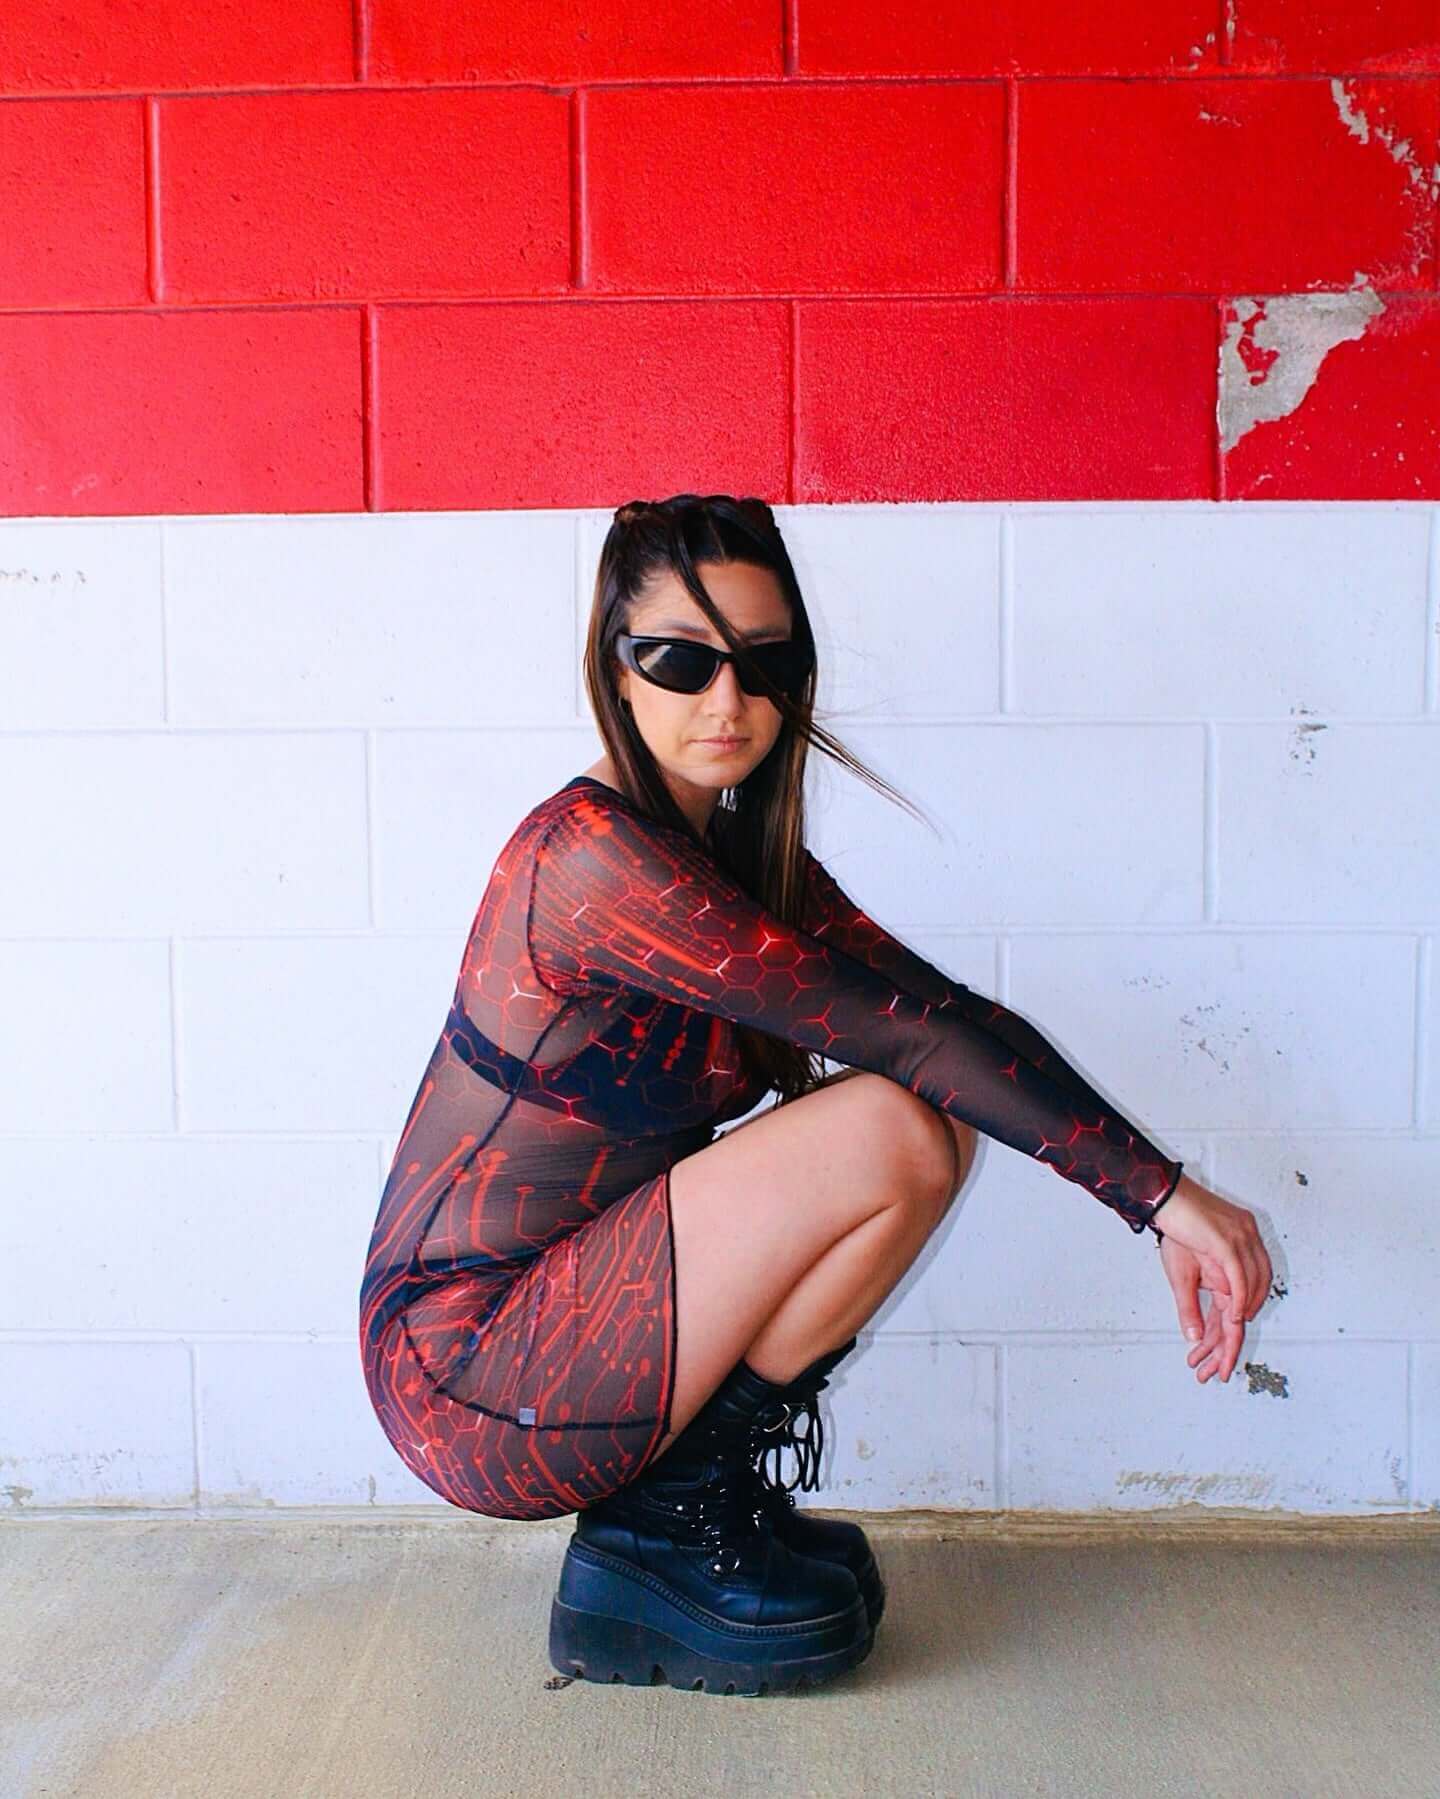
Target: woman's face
[680,728]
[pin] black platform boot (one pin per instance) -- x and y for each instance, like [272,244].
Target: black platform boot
[829,1539]
[675,1572]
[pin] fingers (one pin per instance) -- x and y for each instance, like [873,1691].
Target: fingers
[1219,1349]
[1187,1304]
[1232,1325]
[1204,1358]
[1236,1280]
[1248,1274]
[1264,1275]
[1238,1276]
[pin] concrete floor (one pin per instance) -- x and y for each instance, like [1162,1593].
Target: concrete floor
[379,1655]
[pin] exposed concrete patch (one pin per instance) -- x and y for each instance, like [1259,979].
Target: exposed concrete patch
[1266,1380]
[1273,349]
[1422,185]
[1399,149]
[1196,1487]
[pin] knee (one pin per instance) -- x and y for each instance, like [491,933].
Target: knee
[933,1152]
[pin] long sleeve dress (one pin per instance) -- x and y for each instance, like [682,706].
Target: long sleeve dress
[517,1305]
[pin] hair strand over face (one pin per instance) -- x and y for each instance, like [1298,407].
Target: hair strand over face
[757,831]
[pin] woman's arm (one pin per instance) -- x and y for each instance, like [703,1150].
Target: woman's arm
[834,917]
[619,901]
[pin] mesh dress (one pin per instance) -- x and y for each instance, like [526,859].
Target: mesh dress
[517,1306]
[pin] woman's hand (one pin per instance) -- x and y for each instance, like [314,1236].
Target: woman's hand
[1212,1244]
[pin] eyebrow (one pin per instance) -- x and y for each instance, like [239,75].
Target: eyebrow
[689,630]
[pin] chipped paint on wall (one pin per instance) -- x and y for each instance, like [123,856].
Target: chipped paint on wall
[1182,1485]
[1273,349]
[1399,149]
[1228,1040]
[1267,1380]
[1422,188]
[1302,745]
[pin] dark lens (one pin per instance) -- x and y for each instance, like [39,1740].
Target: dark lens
[786,664]
[682,667]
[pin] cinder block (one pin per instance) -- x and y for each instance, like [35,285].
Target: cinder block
[913,1425]
[1099,399]
[235,411]
[310,1033]
[97,1424]
[445,805]
[1300,1427]
[1229,1030]
[829,187]
[1349,1220]
[1137,615]
[583,402]
[388,619]
[451,40]
[1025,37]
[1145,186]
[85,1038]
[905,607]
[185,1235]
[1033,824]
[74,197]
[81,628]
[1311,813]
[157,832]
[287,1423]
[368,194]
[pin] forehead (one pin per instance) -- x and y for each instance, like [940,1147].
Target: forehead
[749,596]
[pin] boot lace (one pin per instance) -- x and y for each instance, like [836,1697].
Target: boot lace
[808,1447]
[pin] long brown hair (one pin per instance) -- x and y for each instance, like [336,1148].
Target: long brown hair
[757,830]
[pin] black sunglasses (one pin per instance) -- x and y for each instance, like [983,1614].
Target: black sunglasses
[682,666]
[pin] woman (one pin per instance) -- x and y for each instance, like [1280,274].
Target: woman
[577,1298]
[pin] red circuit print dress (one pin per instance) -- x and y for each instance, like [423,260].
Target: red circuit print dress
[517,1308]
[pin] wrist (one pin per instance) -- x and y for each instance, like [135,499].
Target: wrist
[1181,1180]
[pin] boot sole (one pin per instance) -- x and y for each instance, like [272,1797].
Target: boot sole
[611,1621]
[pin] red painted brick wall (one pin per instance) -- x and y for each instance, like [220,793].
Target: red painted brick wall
[411,254]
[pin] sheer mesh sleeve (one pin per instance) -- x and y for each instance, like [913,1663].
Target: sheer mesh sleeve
[831,914]
[621,901]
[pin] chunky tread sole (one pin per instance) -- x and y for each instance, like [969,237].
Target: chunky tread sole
[611,1621]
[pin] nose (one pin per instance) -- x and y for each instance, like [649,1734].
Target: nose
[725,697]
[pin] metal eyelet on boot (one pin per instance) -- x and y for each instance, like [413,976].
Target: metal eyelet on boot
[787,1412]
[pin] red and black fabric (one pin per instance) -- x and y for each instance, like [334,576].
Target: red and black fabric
[517,1309]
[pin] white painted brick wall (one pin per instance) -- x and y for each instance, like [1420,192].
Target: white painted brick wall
[1182,764]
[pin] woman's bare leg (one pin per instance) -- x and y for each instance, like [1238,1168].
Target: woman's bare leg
[791,1229]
